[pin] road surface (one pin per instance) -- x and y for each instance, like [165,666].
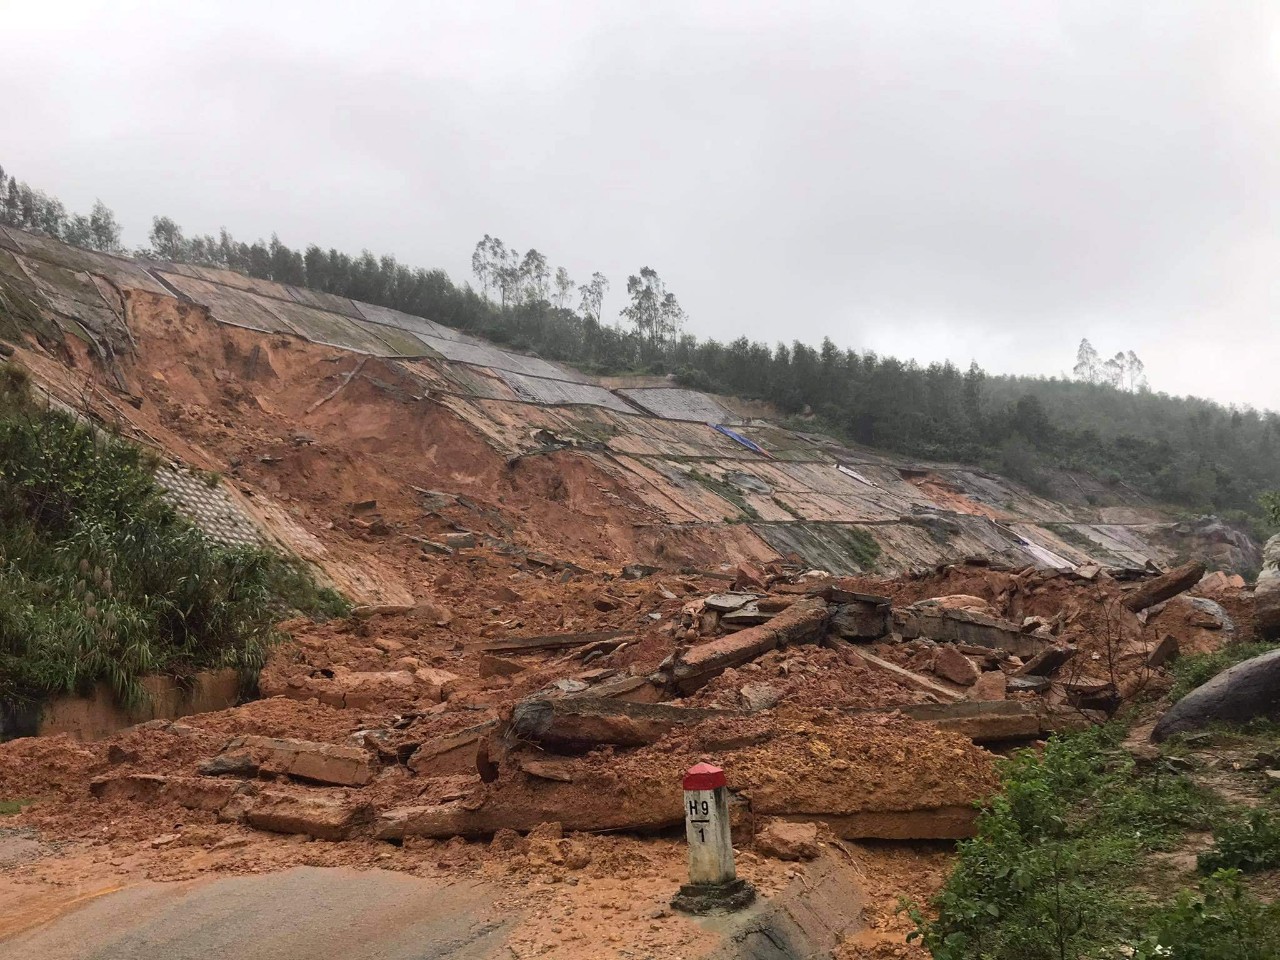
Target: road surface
[306,913]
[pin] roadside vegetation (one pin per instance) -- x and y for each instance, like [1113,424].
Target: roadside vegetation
[1067,864]
[100,580]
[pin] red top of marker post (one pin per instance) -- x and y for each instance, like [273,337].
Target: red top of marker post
[703,776]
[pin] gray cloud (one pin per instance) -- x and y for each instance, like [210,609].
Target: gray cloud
[985,181]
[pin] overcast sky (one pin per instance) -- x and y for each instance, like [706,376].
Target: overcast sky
[963,181]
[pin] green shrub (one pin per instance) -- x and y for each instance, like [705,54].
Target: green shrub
[1223,922]
[101,580]
[1247,844]
[1048,873]
[1191,671]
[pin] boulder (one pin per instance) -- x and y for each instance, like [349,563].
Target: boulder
[1247,690]
[436,684]
[862,620]
[749,577]
[992,685]
[491,666]
[951,664]
[759,696]
[1266,593]
[785,840]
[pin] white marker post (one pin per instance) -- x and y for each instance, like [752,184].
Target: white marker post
[713,879]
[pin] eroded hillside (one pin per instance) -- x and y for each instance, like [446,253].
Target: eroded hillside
[567,594]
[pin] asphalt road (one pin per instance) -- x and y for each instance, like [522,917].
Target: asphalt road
[306,913]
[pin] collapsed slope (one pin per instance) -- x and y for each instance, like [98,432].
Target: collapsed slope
[567,595]
[290,391]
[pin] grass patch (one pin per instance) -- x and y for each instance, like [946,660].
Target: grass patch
[862,547]
[726,491]
[100,579]
[1191,671]
[10,807]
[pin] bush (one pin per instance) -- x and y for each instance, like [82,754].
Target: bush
[1046,876]
[1248,844]
[1224,922]
[1192,671]
[101,580]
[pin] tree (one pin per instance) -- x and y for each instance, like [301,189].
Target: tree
[482,264]
[12,204]
[167,241]
[1134,369]
[77,231]
[564,288]
[505,268]
[535,274]
[1086,367]
[654,312]
[1270,501]
[103,228]
[1114,370]
[592,296]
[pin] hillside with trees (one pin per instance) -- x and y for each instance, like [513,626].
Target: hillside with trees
[1103,420]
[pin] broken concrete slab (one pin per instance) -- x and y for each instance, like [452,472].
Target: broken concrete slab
[966,626]
[1046,663]
[317,816]
[1028,684]
[326,763]
[693,668]
[554,801]
[906,677]
[809,918]
[981,722]
[201,793]
[1163,587]
[452,753]
[728,602]
[134,787]
[559,641]
[862,620]
[580,724]
[749,616]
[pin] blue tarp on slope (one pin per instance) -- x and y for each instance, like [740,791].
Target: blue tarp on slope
[749,444]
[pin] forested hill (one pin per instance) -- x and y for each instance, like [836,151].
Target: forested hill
[1183,451]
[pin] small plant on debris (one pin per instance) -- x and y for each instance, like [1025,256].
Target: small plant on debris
[1249,843]
[1049,873]
[1114,659]
[100,580]
[1223,921]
